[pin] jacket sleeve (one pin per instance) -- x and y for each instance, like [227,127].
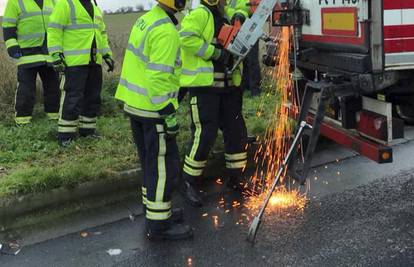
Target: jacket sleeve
[191,34]
[9,24]
[106,49]
[160,71]
[58,20]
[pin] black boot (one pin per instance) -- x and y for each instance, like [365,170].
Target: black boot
[65,139]
[174,232]
[177,215]
[91,133]
[191,195]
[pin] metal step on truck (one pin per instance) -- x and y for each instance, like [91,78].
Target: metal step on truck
[356,58]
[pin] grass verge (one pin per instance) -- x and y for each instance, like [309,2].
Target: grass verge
[31,160]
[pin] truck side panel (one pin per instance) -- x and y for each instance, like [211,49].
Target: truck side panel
[399,34]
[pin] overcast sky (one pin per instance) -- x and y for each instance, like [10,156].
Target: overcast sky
[104,4]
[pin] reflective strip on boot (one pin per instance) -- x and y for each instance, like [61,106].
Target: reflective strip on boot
[52,116]
[87,123]
[66,126]
[23,120]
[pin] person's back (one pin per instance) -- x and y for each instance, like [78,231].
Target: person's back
[148,87]
[152,53]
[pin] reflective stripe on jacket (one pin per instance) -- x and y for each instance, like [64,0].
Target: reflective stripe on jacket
[72,31]
[150,73]
[28,22]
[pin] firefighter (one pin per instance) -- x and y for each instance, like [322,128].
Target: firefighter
[24,32]
[240,9]
[78,42]
[149,87]
[215,97]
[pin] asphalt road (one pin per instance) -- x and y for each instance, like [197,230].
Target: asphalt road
[371,225]
[359,213]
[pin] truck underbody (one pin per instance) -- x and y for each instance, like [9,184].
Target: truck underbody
[356,60]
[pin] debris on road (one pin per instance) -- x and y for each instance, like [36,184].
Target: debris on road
[114,251]
[84,234]
[10,249]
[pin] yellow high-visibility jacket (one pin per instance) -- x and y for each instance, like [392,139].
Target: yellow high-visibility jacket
[71,31]
[24,25]
[150,74]
[197,48]
[237,6]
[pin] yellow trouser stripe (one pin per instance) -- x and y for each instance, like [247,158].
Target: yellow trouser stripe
[62,95]
[52,116]
[158,216]
[68,123]
[87,125]
[191,171]
[194,163]
[197,123]
[162,174]
[144,200]
[158,205]
[67,129]
[87,119]
[236,165]
[23,120]
[238,156]
[144,195]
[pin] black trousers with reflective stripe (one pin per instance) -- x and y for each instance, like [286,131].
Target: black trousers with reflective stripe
[26,90]
[251,71]
[82,95]
[209,113]
[160,163]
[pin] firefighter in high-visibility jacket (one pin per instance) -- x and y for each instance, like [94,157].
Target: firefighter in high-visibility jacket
[78,42]
[24,31]
[148,87]
[215,97]
[240,9]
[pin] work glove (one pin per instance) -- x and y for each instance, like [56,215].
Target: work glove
[109,62]
[238,17]
[59,63]
[171,125]
[221,55]
[15,52]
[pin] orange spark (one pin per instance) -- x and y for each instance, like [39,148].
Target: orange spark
[279,132]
